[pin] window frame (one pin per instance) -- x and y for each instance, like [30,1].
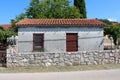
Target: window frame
[42,46]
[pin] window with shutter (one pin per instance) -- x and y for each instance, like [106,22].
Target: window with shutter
[71,42]
[38,41]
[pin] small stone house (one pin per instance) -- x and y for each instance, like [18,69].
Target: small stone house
[60,35]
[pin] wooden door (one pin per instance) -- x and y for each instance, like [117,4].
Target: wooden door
[71,42]
[38,41]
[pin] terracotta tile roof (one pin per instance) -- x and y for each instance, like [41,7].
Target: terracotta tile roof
[87,22]
[6,26]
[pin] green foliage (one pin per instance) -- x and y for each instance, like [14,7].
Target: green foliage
[107,22]
[111,30]
[115,32]
[1,28]
[14,28]
[71,12]
[33,10]
[4,34]
[19,17]
[80,4]
[51,9]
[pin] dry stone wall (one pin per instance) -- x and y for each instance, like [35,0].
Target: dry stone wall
[62,59]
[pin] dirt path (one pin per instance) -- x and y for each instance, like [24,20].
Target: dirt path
[79,75]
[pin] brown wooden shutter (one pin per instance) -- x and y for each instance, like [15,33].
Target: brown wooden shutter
[38,41]
[71,42]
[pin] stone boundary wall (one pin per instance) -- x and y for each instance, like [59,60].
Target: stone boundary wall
[62,59]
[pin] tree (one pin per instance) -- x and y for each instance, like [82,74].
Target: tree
[111,30]
[107,22]
[19,17]
[4,34]
[108,27]
[51,9]
[80,4]
[33,10]
[115,33]
[14,28]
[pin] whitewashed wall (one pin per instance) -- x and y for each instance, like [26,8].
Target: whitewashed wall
[55,38]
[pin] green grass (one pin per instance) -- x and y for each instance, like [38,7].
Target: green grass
[58,68]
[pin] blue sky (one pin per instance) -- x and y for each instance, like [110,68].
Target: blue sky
[103,9]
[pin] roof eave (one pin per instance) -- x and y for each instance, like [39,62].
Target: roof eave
[60,25]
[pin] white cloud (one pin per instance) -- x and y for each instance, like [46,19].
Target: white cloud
[112,19]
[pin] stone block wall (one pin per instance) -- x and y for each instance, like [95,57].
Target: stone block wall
[62,59]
